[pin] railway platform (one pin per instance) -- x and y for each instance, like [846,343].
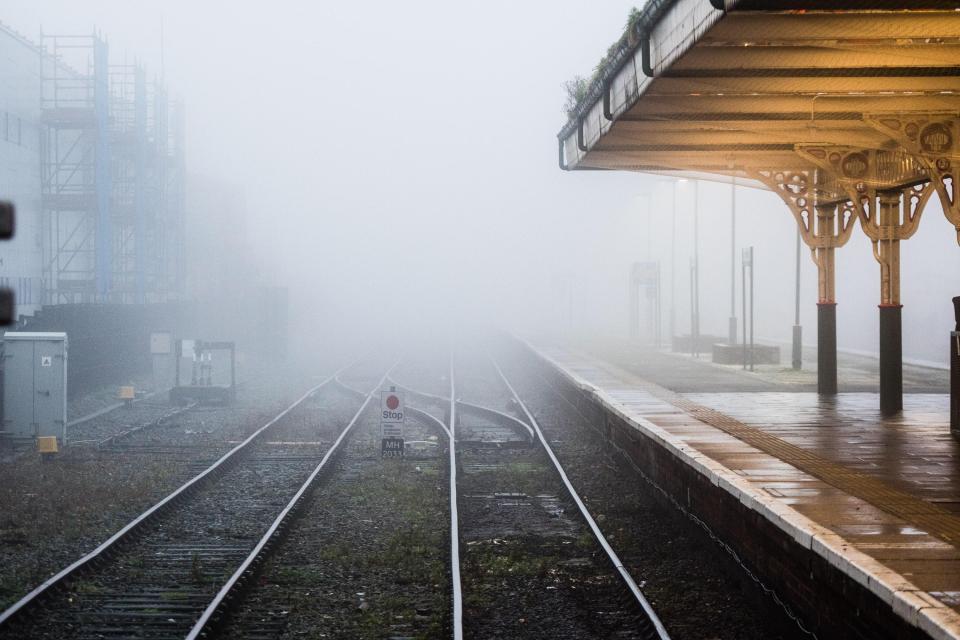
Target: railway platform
[850,517]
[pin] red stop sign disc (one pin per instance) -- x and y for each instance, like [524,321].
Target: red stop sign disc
[393,402]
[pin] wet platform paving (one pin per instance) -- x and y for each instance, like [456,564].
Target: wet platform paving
[682,372]
[879,497]
[913,452]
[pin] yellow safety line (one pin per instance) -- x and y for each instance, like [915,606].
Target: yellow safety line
[926,516]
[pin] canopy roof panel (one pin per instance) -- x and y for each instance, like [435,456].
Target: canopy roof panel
[744,88]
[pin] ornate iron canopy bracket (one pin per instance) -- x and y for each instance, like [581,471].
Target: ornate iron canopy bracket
[889,189]
[934,140]
[825,218]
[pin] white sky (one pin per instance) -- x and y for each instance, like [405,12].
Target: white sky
[400,157]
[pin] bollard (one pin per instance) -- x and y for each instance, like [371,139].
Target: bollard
[955,372]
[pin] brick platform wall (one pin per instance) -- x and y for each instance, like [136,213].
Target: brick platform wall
[830,603]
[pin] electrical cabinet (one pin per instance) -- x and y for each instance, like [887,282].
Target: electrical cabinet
[35,385]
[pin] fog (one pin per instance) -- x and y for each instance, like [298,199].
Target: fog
[396,163]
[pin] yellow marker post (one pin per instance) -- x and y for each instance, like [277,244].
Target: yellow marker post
[127,394]
[47,446]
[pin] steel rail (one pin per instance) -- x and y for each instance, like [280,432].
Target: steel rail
[426,417]
[343,385]
[423,394]
[456,587]
[112,440]
[108,409]
[214,610]
[137,524]
[597,533]
[469,405]
[420,413]
[495,413]
[454,515]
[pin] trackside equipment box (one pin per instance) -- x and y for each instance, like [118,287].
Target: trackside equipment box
[35,385]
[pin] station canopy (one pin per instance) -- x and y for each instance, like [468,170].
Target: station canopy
[743,88]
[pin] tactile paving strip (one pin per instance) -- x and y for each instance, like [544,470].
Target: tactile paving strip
[924,515]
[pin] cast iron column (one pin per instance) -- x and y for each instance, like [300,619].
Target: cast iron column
[824,255]
[827,348]
[824,225]
[891,332]
[891,359]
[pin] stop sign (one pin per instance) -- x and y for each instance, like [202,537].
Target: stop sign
[391,407]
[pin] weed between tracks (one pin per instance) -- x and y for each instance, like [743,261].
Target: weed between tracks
[53,510]
[531,568]
[367,560]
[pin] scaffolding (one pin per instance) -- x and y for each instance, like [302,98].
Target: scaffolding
[112,179]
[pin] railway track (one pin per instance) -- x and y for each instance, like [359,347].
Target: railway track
[513,508]
[154,577]
[366,559]
[536,564]
[387,576]
[524,554]
[114,439]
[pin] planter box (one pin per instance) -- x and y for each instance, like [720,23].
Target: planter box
[733,354]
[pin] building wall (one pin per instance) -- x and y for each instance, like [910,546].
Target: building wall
[20,101]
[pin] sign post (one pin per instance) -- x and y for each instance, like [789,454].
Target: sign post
[391,423]
[645,276]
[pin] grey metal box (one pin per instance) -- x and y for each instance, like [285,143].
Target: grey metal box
[35,384]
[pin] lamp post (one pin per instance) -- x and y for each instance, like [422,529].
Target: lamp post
[695,279]
[673,269]
[656,313]
[732,335]
[633,292]
[797,329]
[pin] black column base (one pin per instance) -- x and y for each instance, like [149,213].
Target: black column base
[827,348]
[891,360]
[955,384]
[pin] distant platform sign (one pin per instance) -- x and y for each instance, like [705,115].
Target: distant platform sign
[391,422]
[646,273]
[161,343]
